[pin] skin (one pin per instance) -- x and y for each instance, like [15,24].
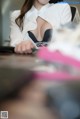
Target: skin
[40,3]
[26,46]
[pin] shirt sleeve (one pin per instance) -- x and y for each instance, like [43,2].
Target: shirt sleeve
[65,14]
[16,35]
[15,32]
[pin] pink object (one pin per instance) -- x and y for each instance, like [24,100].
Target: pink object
[55,76]
[56,56]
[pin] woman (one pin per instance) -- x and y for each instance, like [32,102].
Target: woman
[34,22]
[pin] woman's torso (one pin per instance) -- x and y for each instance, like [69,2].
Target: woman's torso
[45,21]
[42,27]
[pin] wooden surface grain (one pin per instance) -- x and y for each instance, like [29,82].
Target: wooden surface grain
[30,101]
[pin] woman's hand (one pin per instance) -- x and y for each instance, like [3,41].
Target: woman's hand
[24,47]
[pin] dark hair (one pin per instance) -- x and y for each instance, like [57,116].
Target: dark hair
[26,7]
[55,1]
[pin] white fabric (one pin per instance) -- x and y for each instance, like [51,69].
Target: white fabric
[67,41]
[55,14]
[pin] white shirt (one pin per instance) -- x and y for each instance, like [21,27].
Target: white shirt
[55,14]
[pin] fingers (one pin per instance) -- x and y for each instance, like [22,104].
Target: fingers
[27,49]
[18,48]
[24,48]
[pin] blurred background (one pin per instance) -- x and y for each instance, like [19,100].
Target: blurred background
[6,6]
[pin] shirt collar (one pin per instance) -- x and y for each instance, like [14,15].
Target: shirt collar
[42,8]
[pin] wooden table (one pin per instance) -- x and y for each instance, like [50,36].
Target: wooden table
[30,102]
[22,61]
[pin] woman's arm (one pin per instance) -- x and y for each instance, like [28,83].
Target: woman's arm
[15,33]
[22,44]
[65,14]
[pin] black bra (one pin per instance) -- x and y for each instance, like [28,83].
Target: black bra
[46,38]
